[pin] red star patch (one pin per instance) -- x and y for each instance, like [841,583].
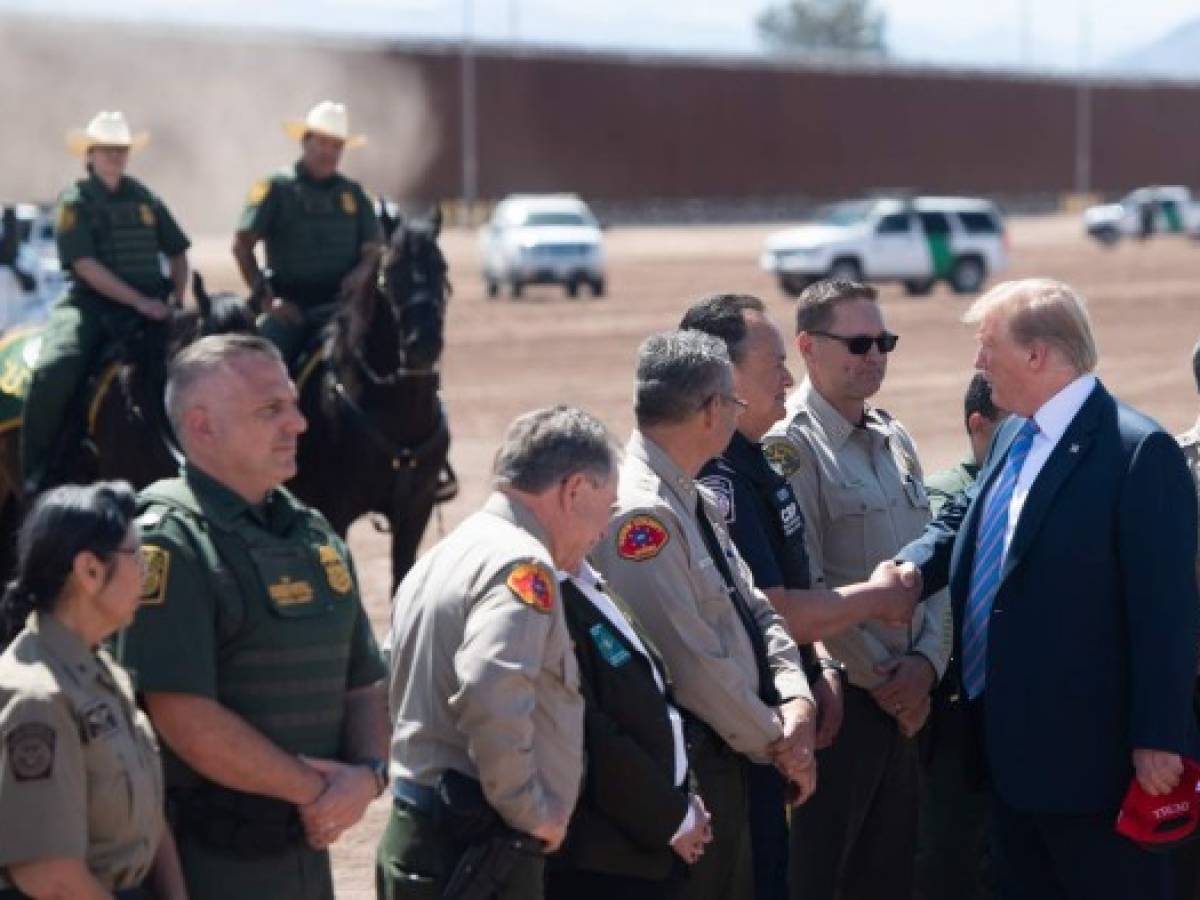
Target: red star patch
[642,537]
[534,586]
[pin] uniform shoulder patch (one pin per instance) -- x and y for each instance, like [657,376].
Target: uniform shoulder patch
[533,584]
[336,571]
[349,204]
[154,581]
[30,749]
[722,488]
[783,456]
[146,211]
[642,538]
[258,192]
[67,218]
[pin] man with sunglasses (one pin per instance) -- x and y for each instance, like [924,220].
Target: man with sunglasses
[855,472]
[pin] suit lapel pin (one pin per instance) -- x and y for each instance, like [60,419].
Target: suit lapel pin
[1074,448]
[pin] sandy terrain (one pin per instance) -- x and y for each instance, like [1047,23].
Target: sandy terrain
[504,357]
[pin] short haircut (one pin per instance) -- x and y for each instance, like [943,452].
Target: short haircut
[978,399]
[205,357]
[1042,309]
[816,303]
[542,448]
[677,373]
[723,316]
[1196,364]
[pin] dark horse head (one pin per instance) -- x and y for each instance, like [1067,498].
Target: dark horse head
[392,321]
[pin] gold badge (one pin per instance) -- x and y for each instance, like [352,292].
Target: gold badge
[336,571]
[784,457]
[66,218]
[286,592]
[147,214]
[258,192]
[154,581]
[534,586]
[349,206]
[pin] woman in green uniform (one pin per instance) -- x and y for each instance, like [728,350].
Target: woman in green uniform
[113,236]
[81,792]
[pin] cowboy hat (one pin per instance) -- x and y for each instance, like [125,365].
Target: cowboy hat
[107,129]
[327,118]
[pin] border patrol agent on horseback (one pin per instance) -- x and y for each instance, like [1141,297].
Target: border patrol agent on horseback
[319,227]
[112,233]
[252,648]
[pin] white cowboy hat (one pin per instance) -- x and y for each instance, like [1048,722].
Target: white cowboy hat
[327,118]
[107,129]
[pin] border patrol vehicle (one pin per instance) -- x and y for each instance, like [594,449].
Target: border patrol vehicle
[30,275]
[1147,211]
[542,239]
[917,241]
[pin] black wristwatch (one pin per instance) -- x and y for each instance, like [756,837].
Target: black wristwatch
[379,769]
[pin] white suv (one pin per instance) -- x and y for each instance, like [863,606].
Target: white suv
[548,239]
[917,241]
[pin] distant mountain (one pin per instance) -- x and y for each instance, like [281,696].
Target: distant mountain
[1174,55]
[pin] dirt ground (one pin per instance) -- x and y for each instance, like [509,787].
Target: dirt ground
[504,357]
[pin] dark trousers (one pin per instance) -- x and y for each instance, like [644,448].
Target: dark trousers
[415,859]
[954,835]
[725,871]
[855,838]
[768,832]
[576,884]
[1041,856]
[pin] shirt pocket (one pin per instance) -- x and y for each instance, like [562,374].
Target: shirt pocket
[853,511]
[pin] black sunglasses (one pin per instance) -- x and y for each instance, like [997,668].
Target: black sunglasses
[860,344]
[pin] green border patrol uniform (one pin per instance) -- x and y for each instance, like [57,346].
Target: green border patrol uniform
[79,769]
[124,230]
[256,607]
[314,231]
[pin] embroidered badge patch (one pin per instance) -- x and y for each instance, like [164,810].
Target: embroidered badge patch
[722,487]
[286,592]
[147,214]
[642,537]
[534,586]
[31,751]
[610,648]
[349,205]
[336,571]
[783,456]
[154,580]
[258,192]
[66,219]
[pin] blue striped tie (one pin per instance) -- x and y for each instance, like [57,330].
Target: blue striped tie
[989,558]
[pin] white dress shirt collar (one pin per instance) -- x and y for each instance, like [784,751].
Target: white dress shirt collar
[1056,414]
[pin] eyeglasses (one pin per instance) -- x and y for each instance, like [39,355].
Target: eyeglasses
[860,344]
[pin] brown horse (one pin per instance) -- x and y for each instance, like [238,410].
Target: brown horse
[118,427]
[377,438]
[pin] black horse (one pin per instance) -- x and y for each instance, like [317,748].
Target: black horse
[117,427]
[377,438]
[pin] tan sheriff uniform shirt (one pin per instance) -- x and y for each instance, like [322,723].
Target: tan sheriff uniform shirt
[655,558]
[1189,441]
[863,497]
[483,676]
[79,769]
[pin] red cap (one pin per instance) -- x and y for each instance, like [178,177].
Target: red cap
[1158,823]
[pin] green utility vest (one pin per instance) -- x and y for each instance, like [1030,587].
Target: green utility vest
[125,236]
[314,239]
[287,606]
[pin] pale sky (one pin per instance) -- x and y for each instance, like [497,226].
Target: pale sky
[940,31]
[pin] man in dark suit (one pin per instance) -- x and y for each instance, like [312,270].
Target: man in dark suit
[1070,563]
[635,818]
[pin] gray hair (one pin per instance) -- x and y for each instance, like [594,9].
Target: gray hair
[677,373]
[1042,309]
[206,357]
[546,446]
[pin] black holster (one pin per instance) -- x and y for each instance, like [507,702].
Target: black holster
[245,826]
[493,849]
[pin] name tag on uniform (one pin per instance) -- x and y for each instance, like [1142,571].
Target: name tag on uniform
[609,646]
[98,720]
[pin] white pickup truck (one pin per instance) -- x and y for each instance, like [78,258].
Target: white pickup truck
[1161,209]
[30,275]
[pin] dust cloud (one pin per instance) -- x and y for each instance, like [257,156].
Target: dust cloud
[214,103]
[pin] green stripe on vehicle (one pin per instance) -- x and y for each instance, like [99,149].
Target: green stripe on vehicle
[939,254]
[1174,219]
